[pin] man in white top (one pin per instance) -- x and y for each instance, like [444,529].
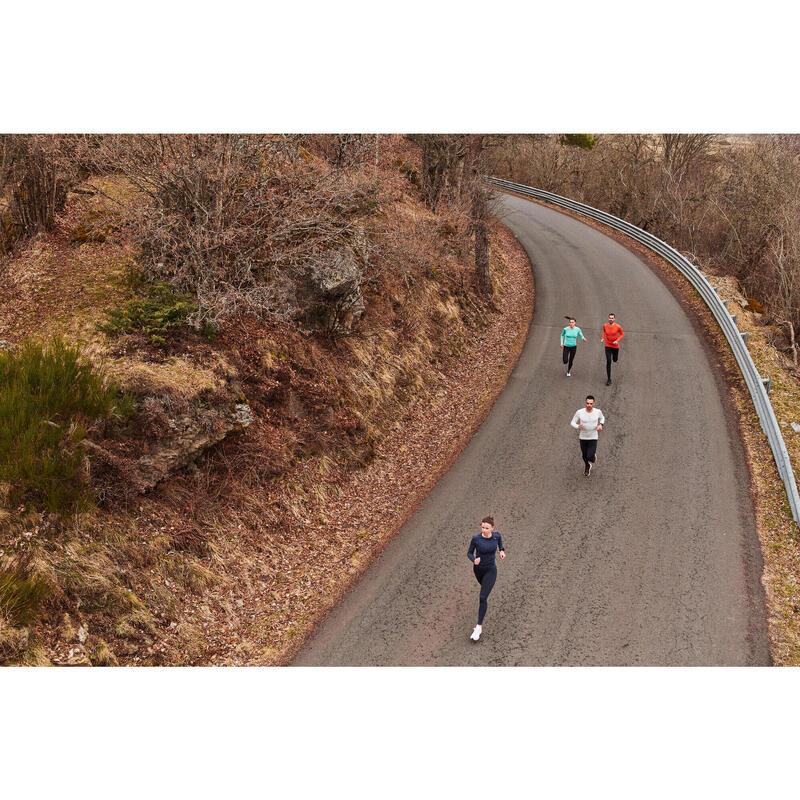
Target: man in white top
[588,422]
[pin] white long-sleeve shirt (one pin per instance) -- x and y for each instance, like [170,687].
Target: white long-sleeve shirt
[590,419]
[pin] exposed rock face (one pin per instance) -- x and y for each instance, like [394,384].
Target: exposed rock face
[190,434]
[184,405]
[175,442]
[319,294]
[329,293]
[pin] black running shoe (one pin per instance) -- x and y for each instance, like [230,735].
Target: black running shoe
[586,471]
[608,382]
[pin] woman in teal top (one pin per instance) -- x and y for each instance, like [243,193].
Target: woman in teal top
[569,343]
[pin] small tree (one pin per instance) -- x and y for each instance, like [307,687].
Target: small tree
[36,172]
[443,158]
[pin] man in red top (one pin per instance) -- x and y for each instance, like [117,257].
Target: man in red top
[612,334]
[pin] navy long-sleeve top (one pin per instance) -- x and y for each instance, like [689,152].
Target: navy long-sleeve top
[485,548]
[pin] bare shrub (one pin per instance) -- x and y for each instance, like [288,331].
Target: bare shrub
[760,205]
[239,220]
[36,172]
[346,149]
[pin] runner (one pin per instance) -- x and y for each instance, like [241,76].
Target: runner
[588,422]
[481,552]
[569,342]
[612,335]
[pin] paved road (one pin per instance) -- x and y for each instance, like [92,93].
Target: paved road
[654,560]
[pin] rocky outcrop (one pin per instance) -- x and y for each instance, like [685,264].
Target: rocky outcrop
[189,435]
[182,407]
[329,293]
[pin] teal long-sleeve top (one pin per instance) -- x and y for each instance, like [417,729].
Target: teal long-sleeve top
[569,336]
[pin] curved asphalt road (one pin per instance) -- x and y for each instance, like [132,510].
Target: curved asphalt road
[653,560]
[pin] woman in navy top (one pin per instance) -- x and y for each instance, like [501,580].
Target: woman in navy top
[481,552]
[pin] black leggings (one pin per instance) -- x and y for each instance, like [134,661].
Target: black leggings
[611,352]
[569,353]
[486,576]
[588,449]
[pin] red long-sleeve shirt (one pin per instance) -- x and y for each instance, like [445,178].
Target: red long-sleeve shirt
[612,334]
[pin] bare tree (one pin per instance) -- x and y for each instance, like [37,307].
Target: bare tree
[480,213]
[36,172]
[786,255]
[684,152]
[443,158]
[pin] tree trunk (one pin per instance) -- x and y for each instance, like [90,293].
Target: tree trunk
[480,216]
[792,342]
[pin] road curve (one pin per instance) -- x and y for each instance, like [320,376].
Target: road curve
[653,560]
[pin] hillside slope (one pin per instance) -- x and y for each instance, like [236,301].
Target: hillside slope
[262,466]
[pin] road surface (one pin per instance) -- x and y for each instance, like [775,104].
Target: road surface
[653,560]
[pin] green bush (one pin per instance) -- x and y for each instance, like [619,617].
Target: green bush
[583,140]
[154,313]
[48,393]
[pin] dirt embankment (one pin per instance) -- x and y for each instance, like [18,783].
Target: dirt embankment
[233,559]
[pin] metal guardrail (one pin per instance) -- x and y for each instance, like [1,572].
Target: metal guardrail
[757,385]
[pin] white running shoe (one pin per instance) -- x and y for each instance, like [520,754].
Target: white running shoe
[569,374]
[476,634]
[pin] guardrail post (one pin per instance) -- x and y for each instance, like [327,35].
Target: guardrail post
[767,384]
[745,336]
[735,318]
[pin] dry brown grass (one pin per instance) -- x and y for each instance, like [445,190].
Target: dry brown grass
[55,286]
[176,376]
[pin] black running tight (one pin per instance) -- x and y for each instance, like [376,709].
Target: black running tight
[569,354]
[486,576]
[611,353]
[588,449]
